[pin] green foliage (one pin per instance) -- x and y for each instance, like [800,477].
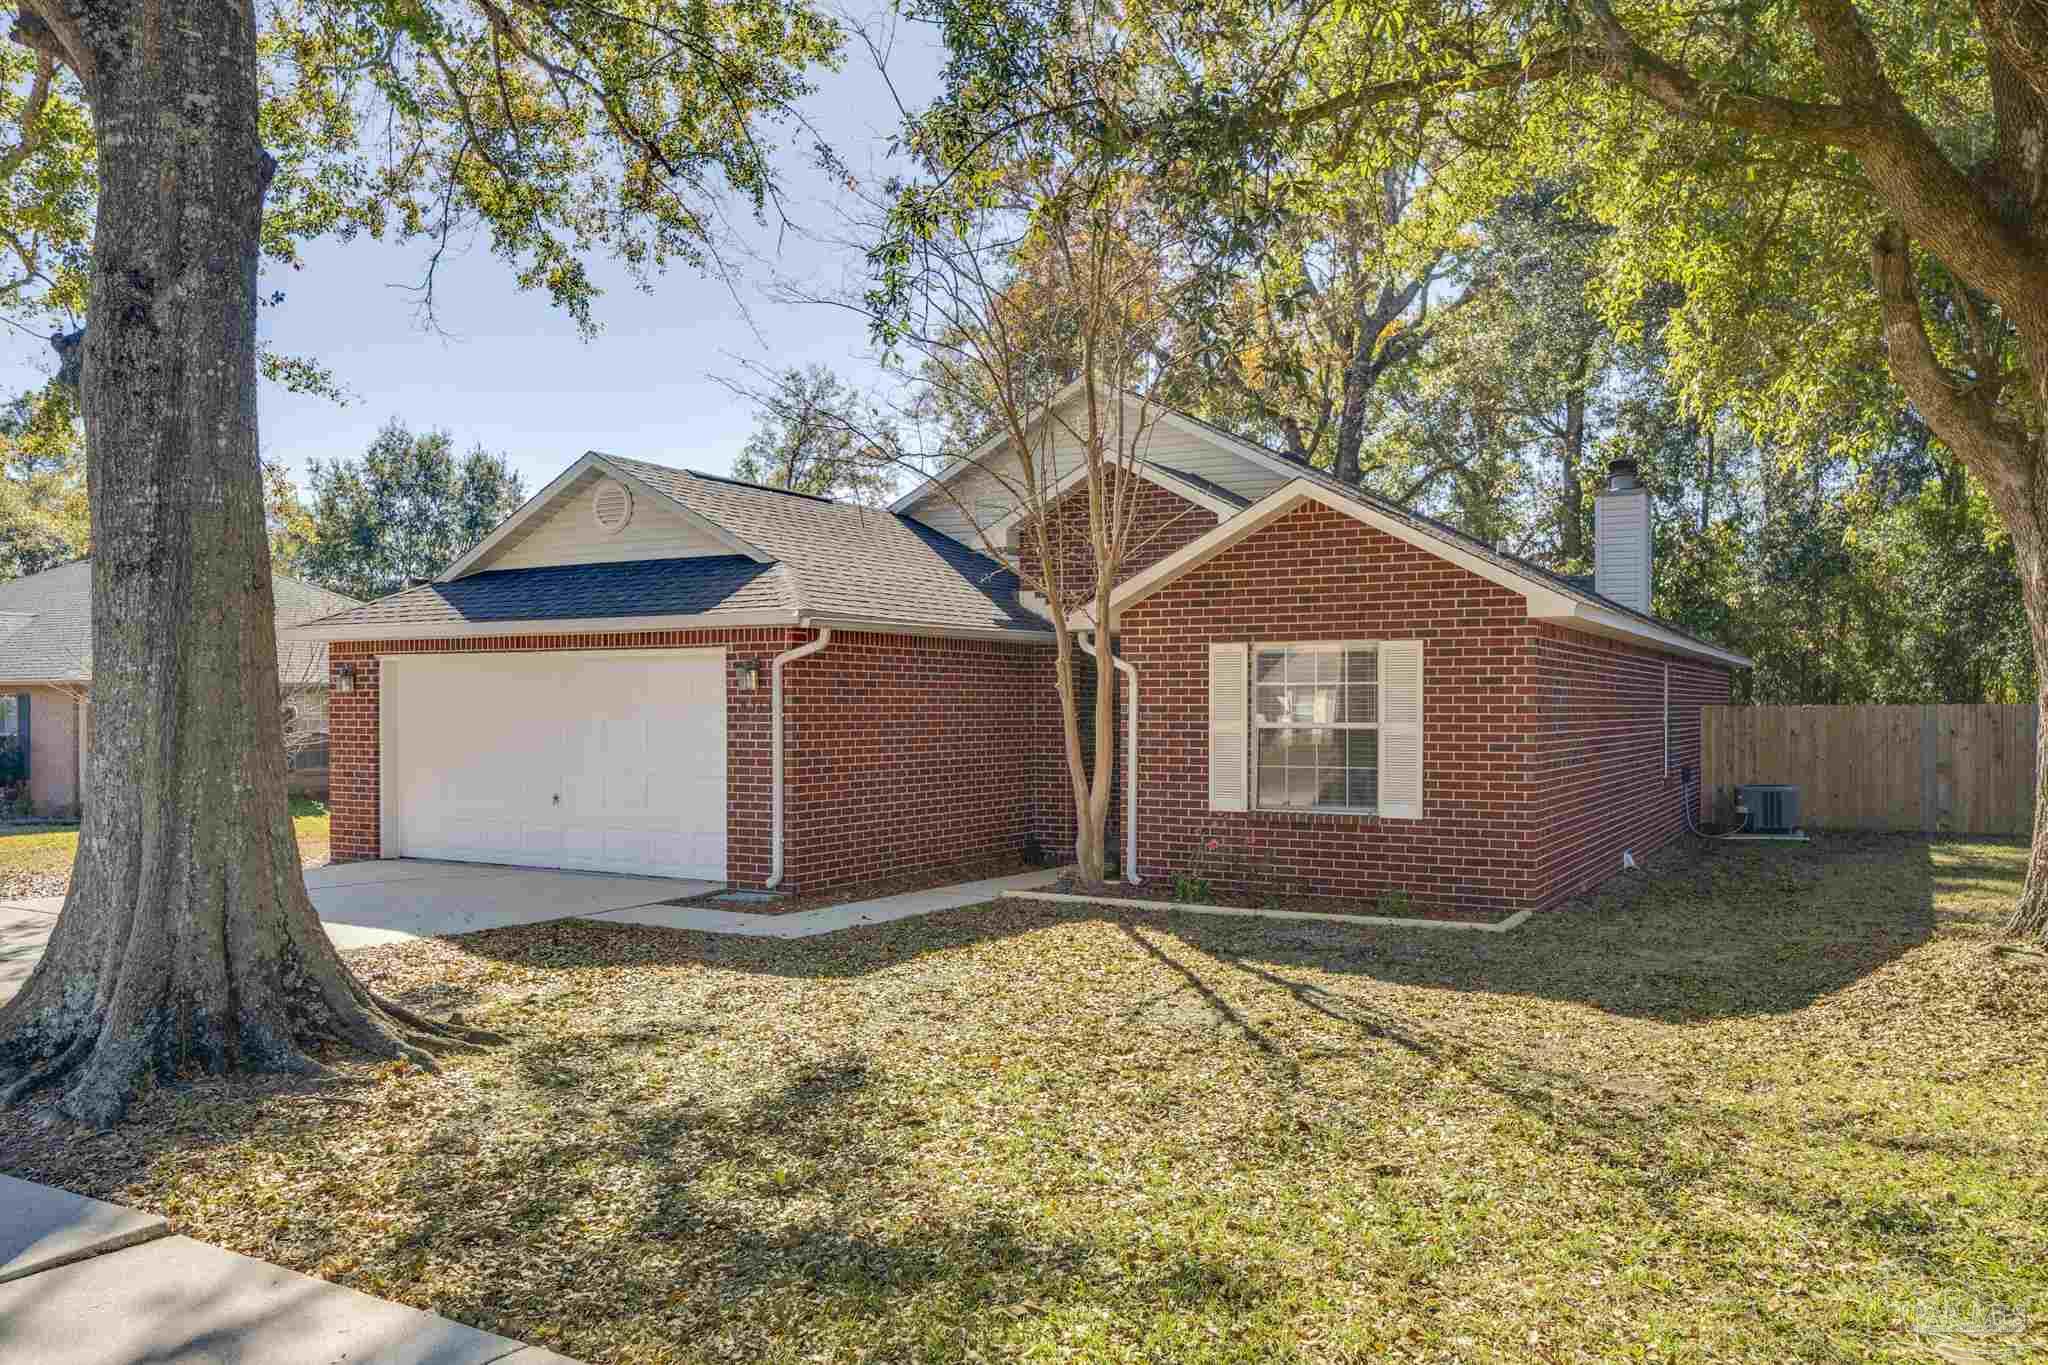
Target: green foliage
[555,133]
[44,521]
[815,434]
[404,511]
[1189,889]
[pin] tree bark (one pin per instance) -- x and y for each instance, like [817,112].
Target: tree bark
[187,941]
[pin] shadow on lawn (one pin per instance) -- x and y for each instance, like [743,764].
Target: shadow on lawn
[1712,931]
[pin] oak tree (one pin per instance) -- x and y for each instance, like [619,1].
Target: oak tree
[216,136]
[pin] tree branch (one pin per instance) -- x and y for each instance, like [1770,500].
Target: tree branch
[1964,415]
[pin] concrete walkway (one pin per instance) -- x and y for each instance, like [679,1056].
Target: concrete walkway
[88,1283]
[365,904]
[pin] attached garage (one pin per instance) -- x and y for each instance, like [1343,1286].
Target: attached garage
[607,761]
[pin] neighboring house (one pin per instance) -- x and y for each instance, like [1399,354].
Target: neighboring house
[46,674]
[650,670]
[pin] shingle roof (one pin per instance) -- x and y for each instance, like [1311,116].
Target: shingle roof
[46,626]
[645,587]
[825,559]
[854,562]
[1570,585]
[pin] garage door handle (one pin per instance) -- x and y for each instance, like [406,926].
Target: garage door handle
[558,798]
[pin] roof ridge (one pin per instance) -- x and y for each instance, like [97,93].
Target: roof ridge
[764,487]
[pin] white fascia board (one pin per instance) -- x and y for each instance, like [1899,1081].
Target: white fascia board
[1156,475]
[974,457]
[548,496]
[1593,620]
[1544,601]
[581,625]
[524,513]
[694,518]
[927,631]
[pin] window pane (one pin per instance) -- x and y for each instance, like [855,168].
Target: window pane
[1301,788]
[1301,748]
[1361,665]
[1329,666]
[1301,706]
[1365,787]
[1271,703]
[1272,751]
[1364,704]
[1272,786]
[1330,789]
[1328,705]
[1362,748]
[1271,666]
[1301,666]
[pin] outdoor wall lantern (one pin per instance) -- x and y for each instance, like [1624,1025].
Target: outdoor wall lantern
[747,673]
[345,678]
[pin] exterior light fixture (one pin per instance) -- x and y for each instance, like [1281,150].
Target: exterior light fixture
[747,674]
[345,678]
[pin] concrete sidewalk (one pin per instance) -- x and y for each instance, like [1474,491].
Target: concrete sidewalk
[88,1283]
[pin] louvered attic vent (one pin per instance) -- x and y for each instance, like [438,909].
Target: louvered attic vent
[611,507]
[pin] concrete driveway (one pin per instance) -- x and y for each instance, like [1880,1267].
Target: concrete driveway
[362,904]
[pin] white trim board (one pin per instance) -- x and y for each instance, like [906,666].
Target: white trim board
[578,625]
[548,496]
[1545,601]
[1514,921]
[1159,476]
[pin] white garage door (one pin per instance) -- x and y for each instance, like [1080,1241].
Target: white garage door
[610,762]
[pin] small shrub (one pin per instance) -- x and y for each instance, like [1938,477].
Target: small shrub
[1395,903]
[1191,890]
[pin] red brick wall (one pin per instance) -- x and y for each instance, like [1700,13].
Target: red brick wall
[901,753]
[1541,757]
[1163,521]
[908,753]
[1316,574]
[353,782]
[1600,766]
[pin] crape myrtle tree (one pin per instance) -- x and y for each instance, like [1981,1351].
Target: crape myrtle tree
[557,131]
[1826,180]
[1035,340]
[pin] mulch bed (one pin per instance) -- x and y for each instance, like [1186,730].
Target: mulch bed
[950,875]
[1314,905]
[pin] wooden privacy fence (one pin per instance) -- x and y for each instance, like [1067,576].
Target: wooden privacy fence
[1962,769]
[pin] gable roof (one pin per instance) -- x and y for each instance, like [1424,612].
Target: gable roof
[807,561]
[1551,596]
[46,626]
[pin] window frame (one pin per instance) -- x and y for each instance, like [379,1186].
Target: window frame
[1254,725]
[10,716]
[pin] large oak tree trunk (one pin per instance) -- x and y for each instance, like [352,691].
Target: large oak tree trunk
[187,941]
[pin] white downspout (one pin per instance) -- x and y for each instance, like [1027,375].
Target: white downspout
[775,743]
[1087,643]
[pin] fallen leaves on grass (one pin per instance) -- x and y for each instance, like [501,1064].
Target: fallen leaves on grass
[1766,1104]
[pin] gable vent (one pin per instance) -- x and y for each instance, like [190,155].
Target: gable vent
[611,507]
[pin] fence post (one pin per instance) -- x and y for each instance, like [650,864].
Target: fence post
[1930,795]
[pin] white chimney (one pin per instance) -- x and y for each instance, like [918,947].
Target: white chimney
[1621,538]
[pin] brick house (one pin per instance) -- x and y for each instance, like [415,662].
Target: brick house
[656,671]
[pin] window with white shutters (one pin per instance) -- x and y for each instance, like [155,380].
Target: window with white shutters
[1335,726]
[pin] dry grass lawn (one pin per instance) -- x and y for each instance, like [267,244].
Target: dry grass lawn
[38,863]
[1770,1104]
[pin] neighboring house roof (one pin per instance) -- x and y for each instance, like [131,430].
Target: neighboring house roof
[46,626]
[798,559]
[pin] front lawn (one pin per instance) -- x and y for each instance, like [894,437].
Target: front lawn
[1774,1103]
[38,863]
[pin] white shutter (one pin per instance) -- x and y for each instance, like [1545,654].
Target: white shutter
[1401,730]
[1229,714]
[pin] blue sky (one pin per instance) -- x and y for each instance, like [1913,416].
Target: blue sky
[513,374]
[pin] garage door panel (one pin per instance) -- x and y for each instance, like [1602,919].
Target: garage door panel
[607,763]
